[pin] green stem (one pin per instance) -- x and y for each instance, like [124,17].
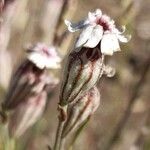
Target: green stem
[63,143]
[77,133]
[58,140]
[9,144]
[62,118]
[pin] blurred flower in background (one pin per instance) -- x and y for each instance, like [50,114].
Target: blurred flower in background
[44,57]
[27,94]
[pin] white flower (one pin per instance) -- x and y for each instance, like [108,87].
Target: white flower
[98,28]
[43,56]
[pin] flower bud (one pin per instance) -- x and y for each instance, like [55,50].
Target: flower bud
[83,69]
[26,114]
[26,81]
[79,112]
[31,109]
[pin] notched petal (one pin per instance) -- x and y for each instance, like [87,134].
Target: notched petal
[92,16]
[95,37]
[109,44]
[84,36]
[73,27]
[98,12]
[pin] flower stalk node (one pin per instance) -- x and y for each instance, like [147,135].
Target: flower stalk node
[62,113]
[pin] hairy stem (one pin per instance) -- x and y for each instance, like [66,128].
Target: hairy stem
[58,140]
[77,133]
[62,118]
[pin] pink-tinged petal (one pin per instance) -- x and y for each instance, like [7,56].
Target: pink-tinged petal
[98,12]
[109,44]
[84,36]
[44,57]
[95,37]
[93,16]
[105,18]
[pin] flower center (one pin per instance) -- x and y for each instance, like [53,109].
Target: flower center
[45,51]
[103,23]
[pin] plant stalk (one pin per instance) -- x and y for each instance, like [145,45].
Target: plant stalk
[62,118]
[58,140]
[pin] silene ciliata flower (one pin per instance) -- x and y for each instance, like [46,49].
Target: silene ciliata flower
[100,29]
[99,36]
[79,112]
[29,86]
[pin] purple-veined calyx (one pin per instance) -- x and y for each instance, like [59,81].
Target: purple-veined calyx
[82,71]
[79,112]
[98,28]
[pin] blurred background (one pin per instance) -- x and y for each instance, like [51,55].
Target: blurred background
[122,121]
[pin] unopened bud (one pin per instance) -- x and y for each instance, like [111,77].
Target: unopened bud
[26,114]
[79,112]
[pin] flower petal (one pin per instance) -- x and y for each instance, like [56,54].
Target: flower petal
[123,38]
[98,12]
[43,56]
[37,59]
[95,37]
[52,64]
[116,31]
[92,16]
[84,36]
[109,44]
[72,27]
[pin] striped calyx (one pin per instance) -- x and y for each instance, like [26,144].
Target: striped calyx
[26,114]
[79,112]
[28,80]
[82,71]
